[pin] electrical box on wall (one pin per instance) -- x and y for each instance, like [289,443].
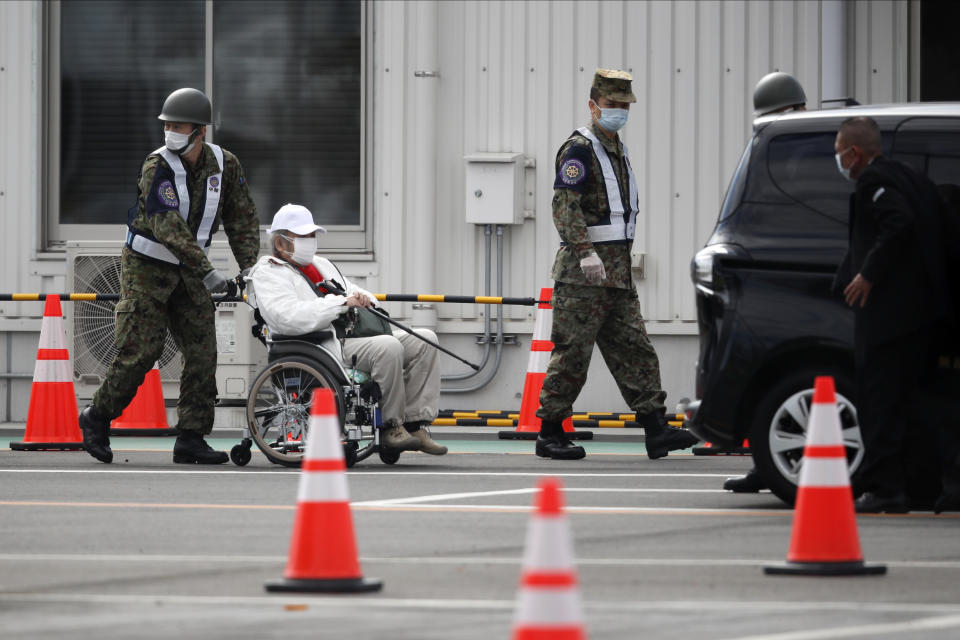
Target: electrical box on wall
[495,184]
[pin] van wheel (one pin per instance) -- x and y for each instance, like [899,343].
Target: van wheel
[779,427]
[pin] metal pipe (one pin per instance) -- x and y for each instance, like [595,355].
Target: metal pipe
[422,246]
[486,314]
[496,362]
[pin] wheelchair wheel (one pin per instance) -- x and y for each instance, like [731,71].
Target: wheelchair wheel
[389,456]
[278,407]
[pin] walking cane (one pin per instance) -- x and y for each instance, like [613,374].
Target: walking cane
[337,291]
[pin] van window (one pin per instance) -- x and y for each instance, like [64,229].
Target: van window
[934,153]
[802,166]
[737,183]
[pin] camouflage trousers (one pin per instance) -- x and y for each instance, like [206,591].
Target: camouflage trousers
[140,330]
[611,319]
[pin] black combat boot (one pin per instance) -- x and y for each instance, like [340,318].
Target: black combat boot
[552,443]
[96,434]
[750,483]
[661,437]
[191,448]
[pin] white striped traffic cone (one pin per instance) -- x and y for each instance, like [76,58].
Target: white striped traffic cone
[824,539]
[323,551]
[528,424]
[548,601]
[52,416]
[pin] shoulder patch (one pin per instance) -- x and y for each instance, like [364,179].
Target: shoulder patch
[572,171]
[167,194]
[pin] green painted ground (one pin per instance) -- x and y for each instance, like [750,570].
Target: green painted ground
[456,446]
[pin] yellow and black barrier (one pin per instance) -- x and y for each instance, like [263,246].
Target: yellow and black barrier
[383,297]
[457,418]
[423,297]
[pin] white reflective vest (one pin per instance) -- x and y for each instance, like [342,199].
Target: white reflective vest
[620,224]
[149,247]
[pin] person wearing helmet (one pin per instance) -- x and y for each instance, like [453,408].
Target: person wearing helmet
[186,190]
[595,204]
[776,92]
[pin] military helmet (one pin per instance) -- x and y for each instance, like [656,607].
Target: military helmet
[187,105]
[776,91]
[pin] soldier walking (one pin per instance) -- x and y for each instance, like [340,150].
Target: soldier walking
[186,190]
[595,204]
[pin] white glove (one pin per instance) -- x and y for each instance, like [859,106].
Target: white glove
[214,281]
[592,267]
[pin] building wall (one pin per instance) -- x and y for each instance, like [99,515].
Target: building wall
[503,76]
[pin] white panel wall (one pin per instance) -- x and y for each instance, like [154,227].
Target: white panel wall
[513,76]
[21,269]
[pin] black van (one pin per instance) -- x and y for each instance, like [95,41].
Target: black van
[768,322]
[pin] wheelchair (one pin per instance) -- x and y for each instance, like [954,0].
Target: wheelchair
[278,406]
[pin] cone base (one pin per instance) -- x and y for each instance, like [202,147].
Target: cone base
[46,446]
[857,568]
[333,585]
[146,431]
[532,435]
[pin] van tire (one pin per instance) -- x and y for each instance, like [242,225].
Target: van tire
[777,438]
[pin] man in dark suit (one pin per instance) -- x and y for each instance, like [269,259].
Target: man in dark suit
[894,277]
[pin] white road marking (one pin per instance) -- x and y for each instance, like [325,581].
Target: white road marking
[863,630]
[507,492]
[372,602]
[443,560]
[399,473]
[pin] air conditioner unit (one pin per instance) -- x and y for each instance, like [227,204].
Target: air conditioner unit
[94,267]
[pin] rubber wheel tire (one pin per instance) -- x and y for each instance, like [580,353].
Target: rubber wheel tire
[389,456]
[350,453]
[316,371]
[772,460]
[240,454]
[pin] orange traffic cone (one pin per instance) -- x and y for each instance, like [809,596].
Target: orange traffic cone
[824,539]
[145,415]
[528,424]
[323,552]
[548,600]
[52,416]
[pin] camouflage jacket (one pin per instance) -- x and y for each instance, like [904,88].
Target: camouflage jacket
[156,216]
[580,199]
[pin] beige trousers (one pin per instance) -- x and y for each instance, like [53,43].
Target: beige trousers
[407,371]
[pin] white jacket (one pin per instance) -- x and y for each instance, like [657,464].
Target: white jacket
[289,305]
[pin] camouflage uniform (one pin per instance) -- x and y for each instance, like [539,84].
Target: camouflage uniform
[607,314]
[157,296]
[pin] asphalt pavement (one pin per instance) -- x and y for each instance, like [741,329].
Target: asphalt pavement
[144,548]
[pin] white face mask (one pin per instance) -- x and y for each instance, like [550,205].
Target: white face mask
[845,172]
[303,250]
[612,119]
[178,142]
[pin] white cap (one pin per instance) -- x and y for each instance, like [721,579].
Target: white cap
[295,218]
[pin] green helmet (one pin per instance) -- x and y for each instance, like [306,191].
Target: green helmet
[776,91]
[187,105]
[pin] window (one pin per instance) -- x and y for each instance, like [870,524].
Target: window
[930,146]
[286,79]
[803,167]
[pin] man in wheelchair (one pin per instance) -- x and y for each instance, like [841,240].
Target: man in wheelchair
[289,292]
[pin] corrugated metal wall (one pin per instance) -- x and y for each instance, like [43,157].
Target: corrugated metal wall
[515,76]
[21,269]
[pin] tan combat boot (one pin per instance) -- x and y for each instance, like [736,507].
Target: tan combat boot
[396,437]
[428,444]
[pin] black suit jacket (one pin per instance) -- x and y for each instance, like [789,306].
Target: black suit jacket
[898,237]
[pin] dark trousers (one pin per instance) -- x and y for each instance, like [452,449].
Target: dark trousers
[889,378]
